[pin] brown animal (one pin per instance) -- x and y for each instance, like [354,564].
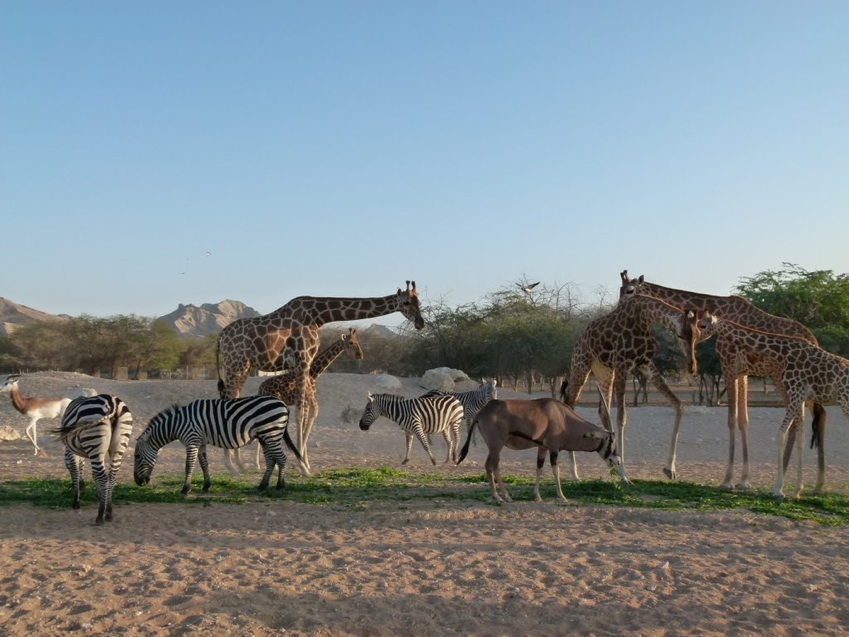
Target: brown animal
[545,423]
[33,408]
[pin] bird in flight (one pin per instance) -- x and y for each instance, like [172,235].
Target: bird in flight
[527,289]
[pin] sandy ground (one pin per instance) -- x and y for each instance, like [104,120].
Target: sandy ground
[424,567]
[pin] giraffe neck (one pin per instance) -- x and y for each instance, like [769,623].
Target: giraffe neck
[316,311]
[324,359]
[753,339]
[653,310]
[732,308]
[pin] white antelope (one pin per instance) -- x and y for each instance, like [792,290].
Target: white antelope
[34,409]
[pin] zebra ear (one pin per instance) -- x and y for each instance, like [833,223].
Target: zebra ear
[370,397]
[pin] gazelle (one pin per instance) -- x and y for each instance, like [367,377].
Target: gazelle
[34,409]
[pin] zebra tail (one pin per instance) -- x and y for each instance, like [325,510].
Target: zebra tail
[291,444]
[465,450]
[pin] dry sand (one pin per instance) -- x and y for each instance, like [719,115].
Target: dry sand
[427,566]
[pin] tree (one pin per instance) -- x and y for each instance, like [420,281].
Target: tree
[817,299]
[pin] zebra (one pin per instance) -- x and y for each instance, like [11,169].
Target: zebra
[473,401]
[98,428]
[420,416]
[222,422]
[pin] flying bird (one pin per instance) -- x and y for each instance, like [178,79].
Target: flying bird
[527,289]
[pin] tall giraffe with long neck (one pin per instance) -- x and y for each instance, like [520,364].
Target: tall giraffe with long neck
[807,372]
[290,334]
[621,341]
[737,366]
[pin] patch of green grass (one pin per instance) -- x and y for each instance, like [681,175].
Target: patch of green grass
[360,486]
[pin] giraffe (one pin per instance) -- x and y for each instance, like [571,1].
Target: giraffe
[622,341]
[737,368]
[290,334]
[285,386]
[807,372]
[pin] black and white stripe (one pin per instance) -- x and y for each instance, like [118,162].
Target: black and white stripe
[98,428]
[221,422]
[472,401]
[420,417]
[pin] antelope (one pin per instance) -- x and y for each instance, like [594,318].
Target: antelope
[548,424]
[33,408]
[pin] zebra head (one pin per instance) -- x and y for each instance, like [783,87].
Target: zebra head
[148,445]
[490,391]
[370,414]
[144,458]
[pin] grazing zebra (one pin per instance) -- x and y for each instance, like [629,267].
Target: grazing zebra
[419,416]
[473,401]
[221,422]
[98,428]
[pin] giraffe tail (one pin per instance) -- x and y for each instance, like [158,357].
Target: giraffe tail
[818,425]
[218,368]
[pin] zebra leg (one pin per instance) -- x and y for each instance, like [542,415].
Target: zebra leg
[409,437]
[204,467]
[72,462]
[269,466]
[420,434]
[191,456]
[450,442]
[98,473]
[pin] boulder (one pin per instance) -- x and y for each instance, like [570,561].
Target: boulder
[386,384]
[442,378]
[7,434]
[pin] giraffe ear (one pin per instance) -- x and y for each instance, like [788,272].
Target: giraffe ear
[624,276]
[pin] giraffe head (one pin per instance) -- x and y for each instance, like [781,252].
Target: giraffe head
[409,305]
[352,345]
[629,287]
[706,325]
[691,335]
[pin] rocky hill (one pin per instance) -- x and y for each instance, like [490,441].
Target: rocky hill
[14,315]
[209,318]
[187,320]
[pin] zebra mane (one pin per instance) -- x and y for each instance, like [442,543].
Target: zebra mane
[168,411]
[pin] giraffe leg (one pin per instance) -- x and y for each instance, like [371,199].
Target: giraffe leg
[790,414]
[304,448]
[731,399]
[800,447]
[617,392]
[653,374]
[743,425]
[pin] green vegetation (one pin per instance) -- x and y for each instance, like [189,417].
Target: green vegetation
[357,487]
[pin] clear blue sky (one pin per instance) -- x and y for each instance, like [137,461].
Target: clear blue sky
[339,148]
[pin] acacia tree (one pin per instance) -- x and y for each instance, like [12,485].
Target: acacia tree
[818,299]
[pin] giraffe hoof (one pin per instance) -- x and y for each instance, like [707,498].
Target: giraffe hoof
[742,486]
[671,474]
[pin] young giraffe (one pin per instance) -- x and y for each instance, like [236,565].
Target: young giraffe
[285,387]
[737,368]
[291,333]
[622,341]
[808,373]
